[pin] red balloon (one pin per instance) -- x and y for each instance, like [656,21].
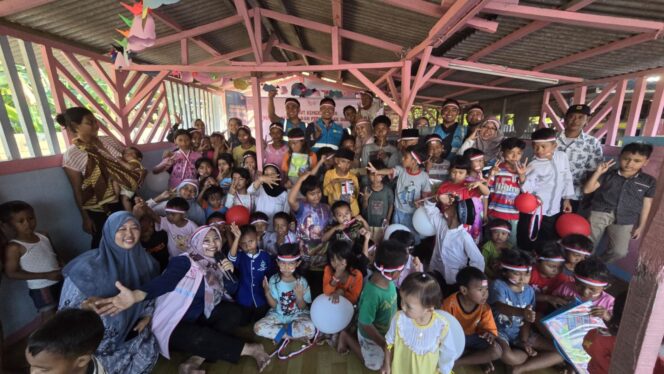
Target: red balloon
[238,215]
[527,203]
[572,223]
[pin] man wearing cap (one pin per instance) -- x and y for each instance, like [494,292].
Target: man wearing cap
[324,132]
[292,119]
[408,137]
[583,151]
[474,118]
[450,130]
[368,107]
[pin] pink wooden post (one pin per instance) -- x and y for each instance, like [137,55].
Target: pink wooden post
[258,123]
[362,78]
[543,111]
[655,116]
[405,89]
[613,123]
[636,105]
[580,95]
[599,99]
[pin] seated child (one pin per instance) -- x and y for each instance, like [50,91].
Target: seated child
[176,225]
[547,275]
[576,249]
[413,264]
[288,294]
[213,198]
[622,200]
[377,306]
[591,278]
[225,166]
[253,265]
[343,227]
[499,234]
[237,193]
[30,257]
[600,343]
[469,307]
[340,184]
[155,242]
[249,162]
[512,301]
[188,190]
[377,203]
[281,234]
[260,221]
[66,344]
[418,340]
[341,277]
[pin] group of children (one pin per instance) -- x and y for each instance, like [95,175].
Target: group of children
[327,219]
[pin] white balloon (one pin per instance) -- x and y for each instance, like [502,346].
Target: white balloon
[455,334]
[157,182]
[331,318]
[422,223]
[392,228]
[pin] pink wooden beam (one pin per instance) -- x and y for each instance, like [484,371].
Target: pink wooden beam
[554,117]
[105,128]
[560,100]
[405,81]
[654,120]
[261,68]
[383,77]
[336,45]
[635,106]
[393,88]
[258,32]
[170,22]
[580,95]
[200,30]
[148,116]
[599,99]
[184,51]
[101,73]
[543,112]
[131,79]
[433,10]
[159,123]
[424,61]
[613,124]
[573,18]
[241,7]
[341,86]
[472,85]
[337,22]
[226,56]
[258,125]
[91,82]
[598,117]
[369,84]
[140,95]
[140,110]
[9,7]
[300,51]
[52,73]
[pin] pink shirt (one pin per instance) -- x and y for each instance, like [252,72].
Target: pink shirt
[275,156]
[568,290]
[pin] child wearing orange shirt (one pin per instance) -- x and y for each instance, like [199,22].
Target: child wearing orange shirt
[340,277]
[469,307]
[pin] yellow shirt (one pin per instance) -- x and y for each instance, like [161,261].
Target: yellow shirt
[238,152]
[346,190]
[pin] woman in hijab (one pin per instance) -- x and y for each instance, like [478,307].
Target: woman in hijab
[198,317]
[128,345]
[271,197]
[487,139]
[188,190]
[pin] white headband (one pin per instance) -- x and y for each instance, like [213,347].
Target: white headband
[476,157]
[171,210]
[288,258]
[553,139]
[591,282]
[500,228]
[515,268]
[415,157]
[552,259]
[578,250]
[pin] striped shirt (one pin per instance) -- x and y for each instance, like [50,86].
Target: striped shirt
[77,159]
[504,188]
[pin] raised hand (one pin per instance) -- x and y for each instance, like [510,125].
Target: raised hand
[605,166]
[270,180]
[371,168]
[299,291]
[235,230]
[271,94]
[521,167]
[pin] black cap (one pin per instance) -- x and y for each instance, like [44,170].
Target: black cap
[410,133]
[578,108]
[345,153]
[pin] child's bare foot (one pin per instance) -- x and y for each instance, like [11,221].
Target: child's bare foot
[341,346]
[258,353]
[192,366]
[488,368]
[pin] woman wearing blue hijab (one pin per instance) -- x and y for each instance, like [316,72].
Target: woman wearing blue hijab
[128,346]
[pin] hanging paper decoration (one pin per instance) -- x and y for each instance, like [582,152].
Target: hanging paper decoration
[141,34]
[269,88]
[299,89]
[154,4]
[283,90]
[120,57]
[186,77]
[204,78]
[240,84]
[335,94]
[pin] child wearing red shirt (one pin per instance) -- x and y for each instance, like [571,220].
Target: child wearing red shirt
[547,276]
[599,343]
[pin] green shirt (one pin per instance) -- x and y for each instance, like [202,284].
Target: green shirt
[377,306]
[491,255]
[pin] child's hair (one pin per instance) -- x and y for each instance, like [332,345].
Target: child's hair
[640,148]
[247,229]
[324,152]
[461,163]
[70,333]
[8,209]
[245,129]
[297,133]
[379,165]
[309,184]
[405,237]
[327,100]
[424,287]
[421,154]
[498,222]
[217,215]
[338,204]
[451,101]
[72,116]
[543,134]
[282,215]
[342,249]
[348,107]
[289,250]
[472,152]
[247,154]
[382,119]
[228,158]
[177,203]
[515,257]
[578,241]
[593,268]
[511,143]
[391,254]
[203,160]
[346,136]
[469,274]
[244,173]
[138,152]
[550,249]
[257,217]
[179,132]
[214,189]
[292,100]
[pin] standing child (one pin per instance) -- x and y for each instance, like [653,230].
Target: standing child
[237,193]
[341,277]
[576,249]
[419,339]
[204,170]
[252,265]
[512,301]
[299,158]
[477,162]
[458,184]
[377,306]
[339,184]
[380,149]
[499,234]
[247,143]
[547,276]
[280,235]
[260,222]
[469,307]
[345,226]
[288,294]
[270,195]
[622,200]
[377,203]
[437,166]
[548,176]
[30,257]
[225,168]
[277,149]
[182,163]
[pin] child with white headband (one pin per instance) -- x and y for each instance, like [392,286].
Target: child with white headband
[176,225]
[591,278]
[548,275]
[513,300]
[576,248]
[499,234]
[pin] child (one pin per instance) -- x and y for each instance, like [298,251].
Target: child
[281,234]
[499,233]
[225,166]
[237,193]
[339,184]
[132,156]
[299,159]
[277,149]
[345,226]
[548,176]
[413,264]
[348,142]
[176,224]
[437,166]
[419,339]
[377,203]
[155,242]
[377,306]
[247,143]
[66,344]
[180,164]
[477,162]
[380,149]
[253,265]
[469,307]
[249,163]
[30,257]
[505,180]
[512,301]
[408,137]
[412,185]
[591,278]
[213,198]
[340,277]
[188,190]
[458,184]
[270,196]
[577,248]
[326,157]
[547,276]
[288,294]
[600,343]
[622,200]
[204,169]
[260,222]
[454,248]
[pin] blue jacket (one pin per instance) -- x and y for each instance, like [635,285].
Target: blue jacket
[251,270]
